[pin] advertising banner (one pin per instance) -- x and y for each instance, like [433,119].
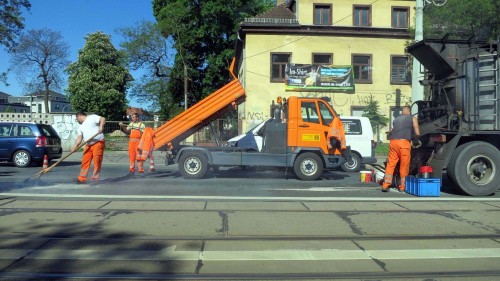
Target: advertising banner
[319,78]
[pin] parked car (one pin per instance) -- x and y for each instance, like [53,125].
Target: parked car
[358,134]
[24,143]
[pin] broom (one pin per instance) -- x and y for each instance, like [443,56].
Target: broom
[46,170]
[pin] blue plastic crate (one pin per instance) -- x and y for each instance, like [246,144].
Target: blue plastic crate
[423,186]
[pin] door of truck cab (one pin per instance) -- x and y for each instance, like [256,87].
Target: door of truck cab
[313,124]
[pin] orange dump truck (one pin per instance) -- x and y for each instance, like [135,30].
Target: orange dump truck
[305,135]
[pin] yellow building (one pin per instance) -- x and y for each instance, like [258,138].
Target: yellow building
[368,35]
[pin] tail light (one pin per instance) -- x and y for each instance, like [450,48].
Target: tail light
[41,141]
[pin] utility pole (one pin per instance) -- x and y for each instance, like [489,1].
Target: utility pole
[417,90]
[185,87]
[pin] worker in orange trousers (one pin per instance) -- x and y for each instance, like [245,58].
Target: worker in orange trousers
[135,130]
[145,147]
[91,125]
[400,148]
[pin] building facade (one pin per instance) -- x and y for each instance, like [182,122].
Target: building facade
[14,107]
[368,36]
[35,101]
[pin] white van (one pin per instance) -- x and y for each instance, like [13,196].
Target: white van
[358,134]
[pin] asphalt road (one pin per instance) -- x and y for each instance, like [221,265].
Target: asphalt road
[167,181]
[237,225]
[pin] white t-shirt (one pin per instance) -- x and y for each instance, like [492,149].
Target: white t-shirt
[90,127]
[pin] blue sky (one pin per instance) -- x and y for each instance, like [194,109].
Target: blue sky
[75,19]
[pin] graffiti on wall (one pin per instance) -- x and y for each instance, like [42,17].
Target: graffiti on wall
[255,116]
[67,128]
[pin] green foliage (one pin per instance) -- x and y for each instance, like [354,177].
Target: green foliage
[11,24]
[463,19]
[9,109]
[376,119]
[99,79]
[205,33]
[382,149]
[147,49]
[11,21]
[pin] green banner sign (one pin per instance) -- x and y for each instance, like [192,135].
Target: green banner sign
[319,78]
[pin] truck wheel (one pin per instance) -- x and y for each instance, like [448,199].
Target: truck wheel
[475,168]
[193,165]
[308,166]
[353,165]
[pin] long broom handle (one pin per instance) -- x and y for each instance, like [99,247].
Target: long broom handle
[62,159]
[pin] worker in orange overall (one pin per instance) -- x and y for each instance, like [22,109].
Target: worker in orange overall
[400,148]
[135,129]
[336,136]
[146,146]
[91,125]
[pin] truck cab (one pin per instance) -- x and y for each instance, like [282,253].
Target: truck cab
[358,134]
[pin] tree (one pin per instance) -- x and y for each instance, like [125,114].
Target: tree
[99,79]
[147,49]
[372,111]
[205,33]
[11,24]
[463,19]
[39,60]
[11,21]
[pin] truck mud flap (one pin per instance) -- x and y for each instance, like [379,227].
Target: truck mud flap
[443,156]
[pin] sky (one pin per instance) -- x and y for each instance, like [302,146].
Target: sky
[75,19]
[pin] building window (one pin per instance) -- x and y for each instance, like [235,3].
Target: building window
[362,15]
[322,14]
[279,62]
[362,65]
[322,59]
[357,110]
[400,17]
[399,70]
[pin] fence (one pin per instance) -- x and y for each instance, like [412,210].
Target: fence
[67,128]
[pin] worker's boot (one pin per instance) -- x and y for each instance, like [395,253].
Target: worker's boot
[130,173]
[141,168]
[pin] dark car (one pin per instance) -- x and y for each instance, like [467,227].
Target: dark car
[24,143]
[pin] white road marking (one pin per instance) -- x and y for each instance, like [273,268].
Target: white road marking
[269,255]
[253,198]
[322,189]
